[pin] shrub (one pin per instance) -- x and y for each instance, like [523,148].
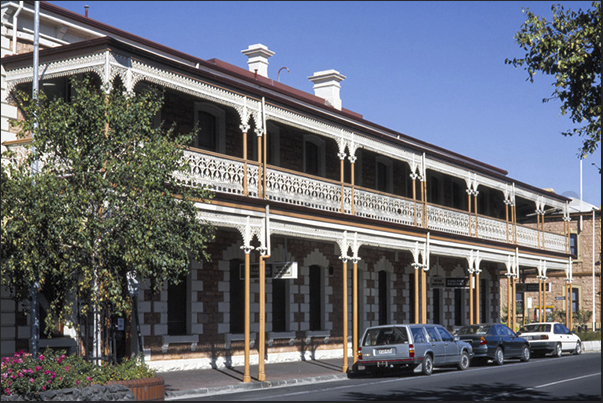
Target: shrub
[589,335]
[25,375]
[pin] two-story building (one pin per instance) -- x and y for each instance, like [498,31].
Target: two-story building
[358,224]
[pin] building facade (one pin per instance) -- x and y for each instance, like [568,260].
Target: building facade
[583,293]
[356,224]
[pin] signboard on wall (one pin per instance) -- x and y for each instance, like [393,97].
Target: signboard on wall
[449,282]
[531,287]
[277,270]
[457,282]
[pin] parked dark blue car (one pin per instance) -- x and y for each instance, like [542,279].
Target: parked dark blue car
[494,341]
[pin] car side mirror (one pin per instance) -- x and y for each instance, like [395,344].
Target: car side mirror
[456,337]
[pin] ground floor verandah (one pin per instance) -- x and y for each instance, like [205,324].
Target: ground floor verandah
[324,282]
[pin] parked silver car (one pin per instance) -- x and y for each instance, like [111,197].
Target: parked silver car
[407,346]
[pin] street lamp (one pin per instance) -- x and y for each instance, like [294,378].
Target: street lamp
[134,290]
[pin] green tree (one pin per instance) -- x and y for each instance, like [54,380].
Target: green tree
[106,200]
[568,48]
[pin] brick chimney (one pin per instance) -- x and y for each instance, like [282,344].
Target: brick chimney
[326,85]
[258,55]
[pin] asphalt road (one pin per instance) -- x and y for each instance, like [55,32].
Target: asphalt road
[573,378]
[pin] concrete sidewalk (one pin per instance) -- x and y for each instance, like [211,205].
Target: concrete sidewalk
[207,382]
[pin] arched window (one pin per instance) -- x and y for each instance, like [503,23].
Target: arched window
[383,298]
[210,121]
[178,308]
[316,300]
[314,155]
[237,297]
[384,179]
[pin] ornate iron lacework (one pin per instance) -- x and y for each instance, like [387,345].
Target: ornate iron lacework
[448,220]
[380,207]
[294,189]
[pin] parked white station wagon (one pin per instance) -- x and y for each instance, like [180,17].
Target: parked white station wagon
[550,337]
[410,346]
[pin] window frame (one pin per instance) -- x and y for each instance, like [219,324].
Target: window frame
[389,177]
[220,115]
[321,146]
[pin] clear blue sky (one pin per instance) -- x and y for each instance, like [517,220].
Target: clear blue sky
[431,70]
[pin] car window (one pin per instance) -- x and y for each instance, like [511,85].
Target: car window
[383,336]
[446,336]
[558,329]
[373,337]
[433,334]
[468,329]
[418,335]
[565,329]
[537,327]
[401,335]
[484,330]
[504,331]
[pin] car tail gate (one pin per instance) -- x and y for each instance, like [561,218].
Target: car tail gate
[385,344]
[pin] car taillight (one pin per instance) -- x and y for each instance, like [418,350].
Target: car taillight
[544,336]
[359,353]
[411,350]
[482,340]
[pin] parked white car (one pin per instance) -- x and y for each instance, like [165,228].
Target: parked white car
[550,337]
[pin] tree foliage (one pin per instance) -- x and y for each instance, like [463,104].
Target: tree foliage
[569,48]
[104,202]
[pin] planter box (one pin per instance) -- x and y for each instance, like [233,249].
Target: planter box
[149,389]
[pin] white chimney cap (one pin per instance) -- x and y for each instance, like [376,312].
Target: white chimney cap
[258,55]
[326,85]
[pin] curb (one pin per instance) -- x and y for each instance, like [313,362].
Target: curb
[591,346]
[201,392]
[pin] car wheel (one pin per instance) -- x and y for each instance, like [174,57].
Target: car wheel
[558,351]
[578,349]
[525,354]
[464,362]
[427,367]
[499,356]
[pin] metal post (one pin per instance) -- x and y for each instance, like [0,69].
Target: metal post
[344,259]
[355,311]
[35,320]
[471,303]
[246,375]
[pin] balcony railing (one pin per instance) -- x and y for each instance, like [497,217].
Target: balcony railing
[227,175]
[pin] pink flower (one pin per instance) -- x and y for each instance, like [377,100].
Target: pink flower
[66,369]
[77,382]
[41,357]
[38,368]
[7,391]
[43,387]
[88,378]
[32,380]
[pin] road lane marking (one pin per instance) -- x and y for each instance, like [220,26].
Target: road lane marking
[496,397]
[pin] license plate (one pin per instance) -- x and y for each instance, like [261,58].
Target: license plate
[385,351]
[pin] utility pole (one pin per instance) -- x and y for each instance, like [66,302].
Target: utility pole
[35,317]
